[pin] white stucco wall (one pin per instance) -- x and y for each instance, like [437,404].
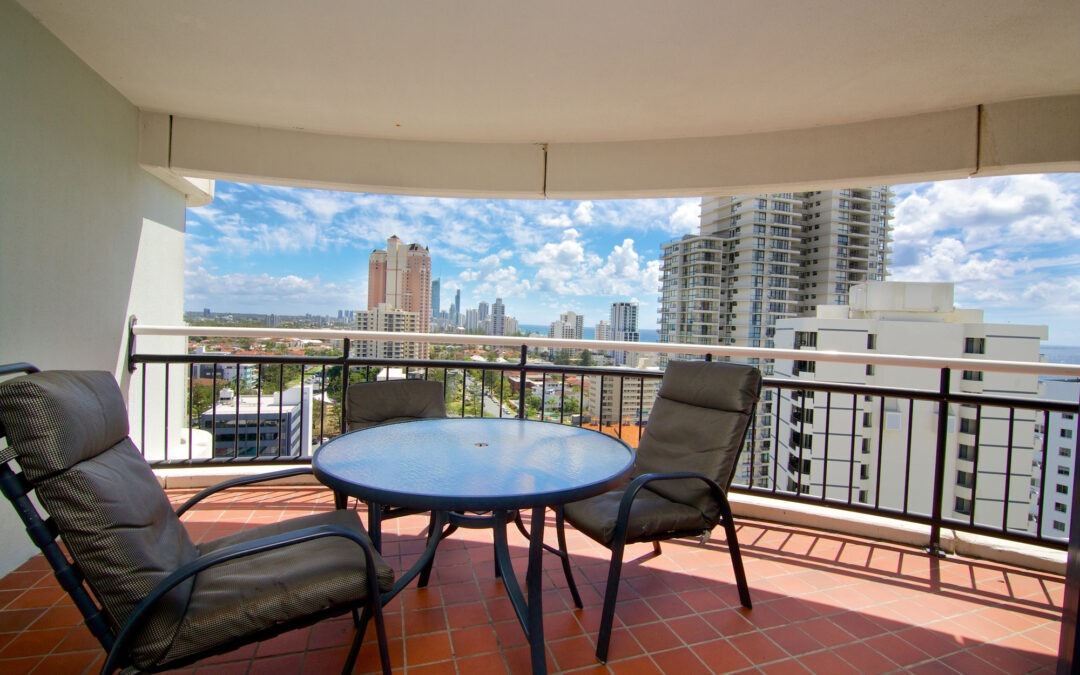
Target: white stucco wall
[87,238]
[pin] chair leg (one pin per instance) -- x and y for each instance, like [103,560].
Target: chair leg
[656,548]
[564,554]
[355,619]
[736,555]
[607,615]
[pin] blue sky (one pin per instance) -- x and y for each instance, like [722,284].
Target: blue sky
[1011,244]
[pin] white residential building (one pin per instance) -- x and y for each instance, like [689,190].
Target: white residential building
[570,326]
[603,330]
[624,328]
[893,445]
[619,398]
[498,319]
[385,318]
[761,258]
[1059,438]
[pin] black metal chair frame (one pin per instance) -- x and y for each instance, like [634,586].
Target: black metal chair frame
[620,540]
[44,533]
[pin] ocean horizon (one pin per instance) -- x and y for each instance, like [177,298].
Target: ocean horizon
[1053,353]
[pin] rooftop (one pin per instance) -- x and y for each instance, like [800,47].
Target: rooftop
[823,602]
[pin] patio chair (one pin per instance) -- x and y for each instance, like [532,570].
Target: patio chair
[152,598]
[685,462]
[370,404]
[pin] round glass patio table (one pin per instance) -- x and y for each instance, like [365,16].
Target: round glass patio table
[450,466]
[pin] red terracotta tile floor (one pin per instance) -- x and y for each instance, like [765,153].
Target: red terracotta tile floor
[823,603]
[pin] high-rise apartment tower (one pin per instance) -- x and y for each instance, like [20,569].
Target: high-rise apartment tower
[400,277]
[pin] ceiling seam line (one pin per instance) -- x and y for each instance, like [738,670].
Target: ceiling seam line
[978,138]
[543,189]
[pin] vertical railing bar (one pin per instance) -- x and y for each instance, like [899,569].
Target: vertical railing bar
[907,463]
[258,410]
[521,381]
[322,405]
[802,442]
[562,398]
[1042,479]
[346,347]
[620,382]
[600,422]
[641,407]
[939,463]
[828,426]
[543,395]
[165,418]
[1008,471]
[236,415]
[880,442]
[464,384]
[851,465]
[753,446]
[483,398]
[280,400]
[502,391]
[191,403]
[776,442]
[142,423]
[975,465]
[581,402]
[301,449]
[213,411]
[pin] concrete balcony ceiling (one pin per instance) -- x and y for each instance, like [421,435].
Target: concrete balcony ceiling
[603,98]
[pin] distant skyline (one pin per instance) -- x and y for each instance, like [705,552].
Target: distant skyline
[1011,245]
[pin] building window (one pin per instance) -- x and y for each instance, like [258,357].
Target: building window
[964,479]
[864,472]
[968,426]
[967,451]
[1066,433]
[804,367]
[1062,489]
[973,375]
[1060,508]
[974,345]
[871,341]
[864,497]
[1059,526]
[805,339]
[867,420]
[1063,471]
[869,369]
[1064,452]
[866,446]
[963,506]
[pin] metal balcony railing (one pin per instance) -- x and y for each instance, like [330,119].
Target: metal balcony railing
[862,460]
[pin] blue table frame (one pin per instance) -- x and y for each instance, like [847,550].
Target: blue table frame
[450,466]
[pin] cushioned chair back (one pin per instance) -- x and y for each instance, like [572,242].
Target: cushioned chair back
[372,403]
[698,423]
[68,431]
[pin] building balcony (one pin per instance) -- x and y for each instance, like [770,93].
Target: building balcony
[823,602]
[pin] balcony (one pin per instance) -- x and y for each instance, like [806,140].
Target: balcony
[823,602]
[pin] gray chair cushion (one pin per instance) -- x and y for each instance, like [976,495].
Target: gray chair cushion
[56,419]
[68,432]
[257,592]
[650,514]
[372,403]
[712,384]
[697,424]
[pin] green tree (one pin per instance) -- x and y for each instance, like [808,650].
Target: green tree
[586,357]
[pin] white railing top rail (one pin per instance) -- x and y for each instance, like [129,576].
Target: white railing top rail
[973,363]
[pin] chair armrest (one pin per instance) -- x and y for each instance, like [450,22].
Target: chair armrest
[227,554]
[641,481]
[242,480]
